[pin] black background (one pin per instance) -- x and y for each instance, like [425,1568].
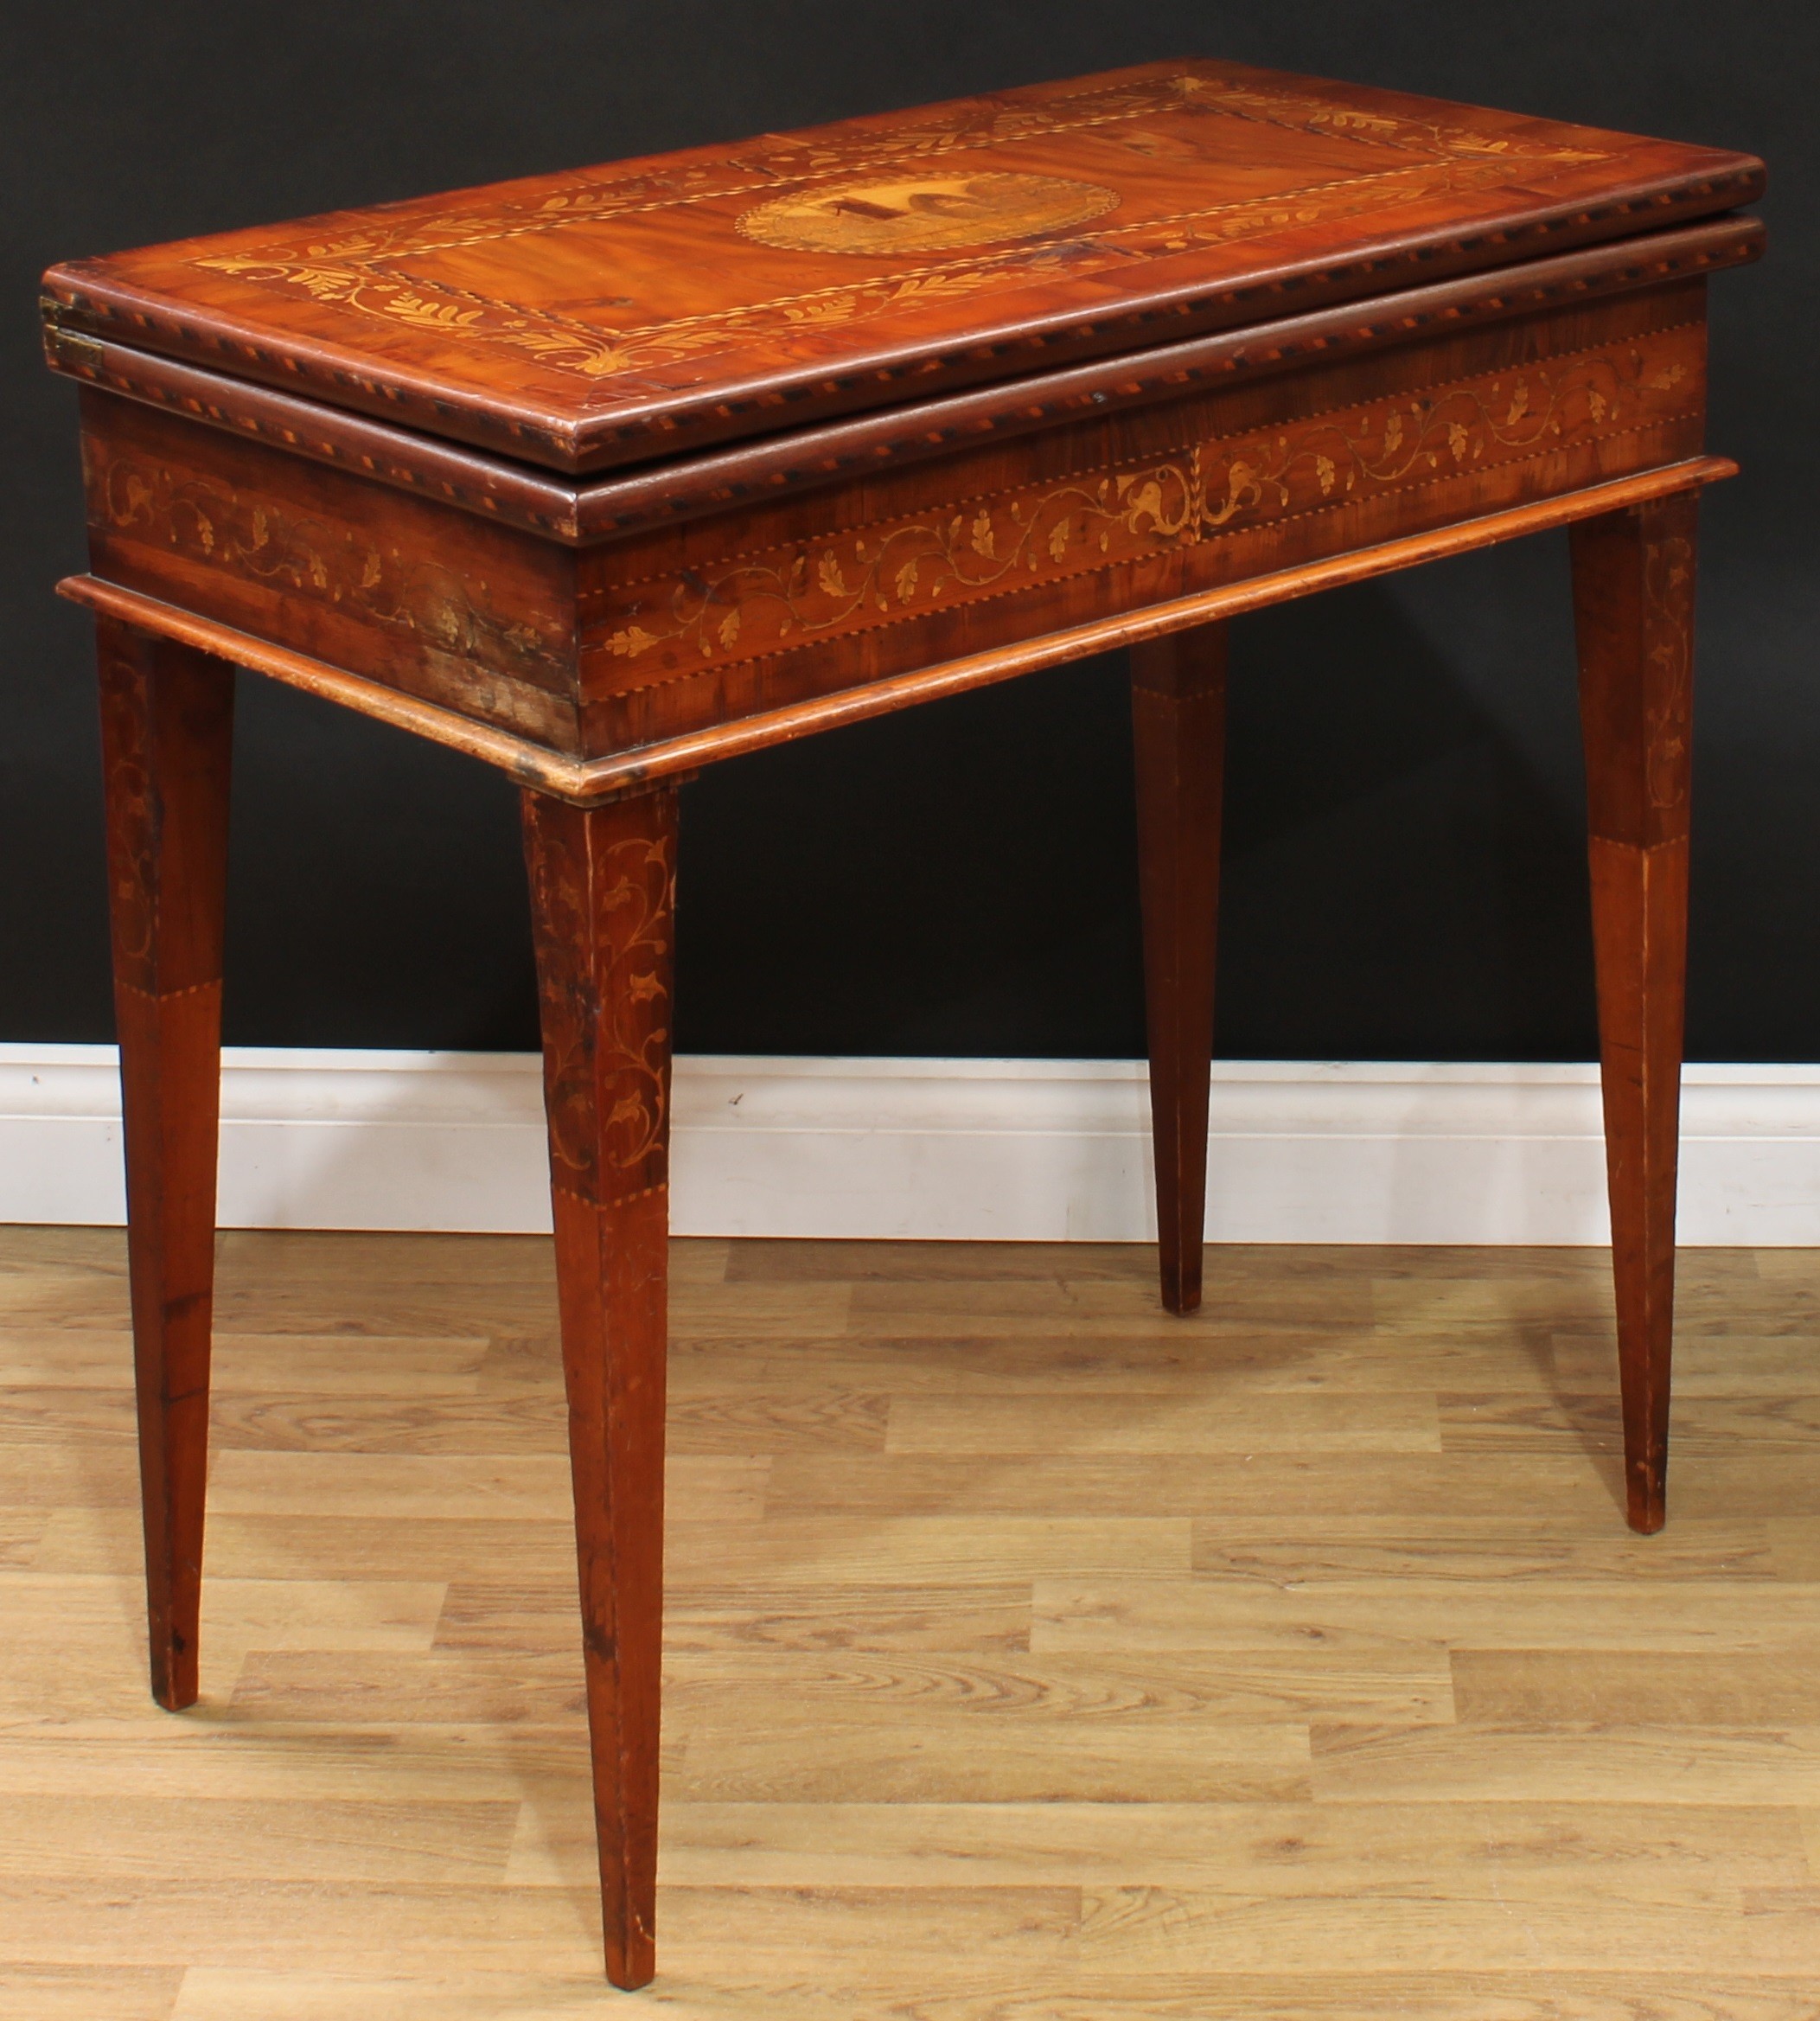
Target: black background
[1404,876]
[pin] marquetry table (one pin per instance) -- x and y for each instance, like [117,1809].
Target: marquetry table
[603,476]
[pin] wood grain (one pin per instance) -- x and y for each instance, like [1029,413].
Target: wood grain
[602,903]
[674,629]
[1035,375]
[1064,1699]
[1179,741]
[800,276]
[581,781]
[1111,512]
[579,512]
[167,731]
[1633,607]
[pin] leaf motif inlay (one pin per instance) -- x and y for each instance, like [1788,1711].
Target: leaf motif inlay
[1202,491]
[363,269]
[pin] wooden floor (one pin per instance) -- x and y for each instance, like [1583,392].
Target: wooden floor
[1031,1654]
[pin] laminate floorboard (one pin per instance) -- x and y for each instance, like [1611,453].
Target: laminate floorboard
[1030,1655]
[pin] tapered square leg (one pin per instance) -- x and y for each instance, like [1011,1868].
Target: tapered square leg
[1178,738]
[1633,600]
[167,727]
[602,885]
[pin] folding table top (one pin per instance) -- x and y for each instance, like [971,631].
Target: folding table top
[611,314]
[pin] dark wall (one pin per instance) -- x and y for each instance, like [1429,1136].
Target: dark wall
[1404,875]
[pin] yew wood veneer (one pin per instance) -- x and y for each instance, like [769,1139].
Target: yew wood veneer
[603,476]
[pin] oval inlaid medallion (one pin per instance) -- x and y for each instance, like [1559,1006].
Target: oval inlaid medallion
[924,214]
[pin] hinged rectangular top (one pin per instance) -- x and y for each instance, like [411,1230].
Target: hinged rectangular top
[615,314]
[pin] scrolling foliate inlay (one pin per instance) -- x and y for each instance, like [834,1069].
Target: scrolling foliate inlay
[604,909]
[778,599]
[369,269]
[258,539]
[1668,640]
[132,812]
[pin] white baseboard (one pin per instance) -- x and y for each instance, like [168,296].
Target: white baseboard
[973,1149]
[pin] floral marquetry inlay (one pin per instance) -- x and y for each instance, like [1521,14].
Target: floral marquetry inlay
[602,895]
[263,541]
[926,187]
[641,311]
[779,599]
[1668,642]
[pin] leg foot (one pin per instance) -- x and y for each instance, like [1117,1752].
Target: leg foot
[1178,732]
[1633,594]
[600,895]
[167,719]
